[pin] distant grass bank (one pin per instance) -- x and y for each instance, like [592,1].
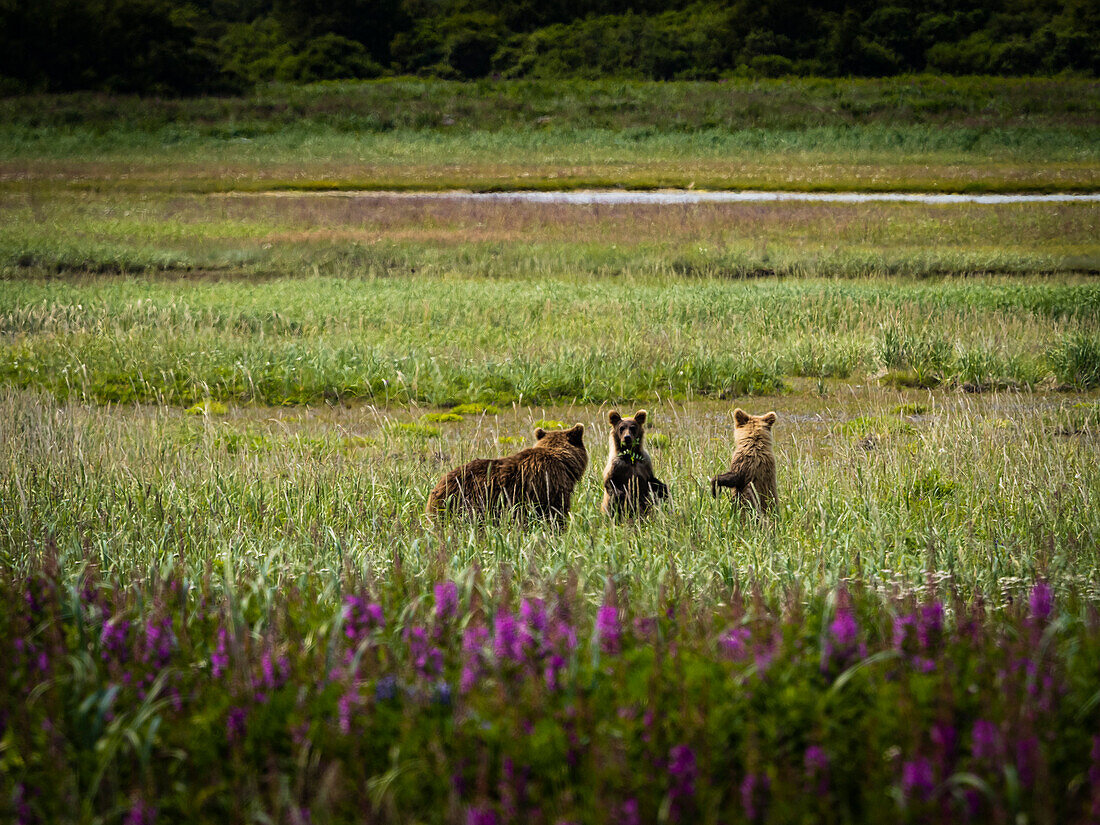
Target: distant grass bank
[444,340]
[915,133]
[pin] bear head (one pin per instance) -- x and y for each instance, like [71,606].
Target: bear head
[627,433]
[572,438]
[754,427]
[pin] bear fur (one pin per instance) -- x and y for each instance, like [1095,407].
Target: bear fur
[751,478]
[629,483]
[539,479]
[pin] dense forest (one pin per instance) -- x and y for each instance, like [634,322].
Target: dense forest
[190,46]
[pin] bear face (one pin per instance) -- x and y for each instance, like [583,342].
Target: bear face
[752,427]
[627,433]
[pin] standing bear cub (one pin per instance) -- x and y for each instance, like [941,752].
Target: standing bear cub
[630,486]
[540,479]
[751,477]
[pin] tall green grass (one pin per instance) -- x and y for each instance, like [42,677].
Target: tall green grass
[979,134]
[984,492]
[448,340]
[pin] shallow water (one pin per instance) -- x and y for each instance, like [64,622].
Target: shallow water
[682,196]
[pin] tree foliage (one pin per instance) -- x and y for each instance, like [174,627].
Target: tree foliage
[186,46]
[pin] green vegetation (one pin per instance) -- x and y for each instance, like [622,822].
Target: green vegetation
[987,492]
[445,340]
[910,133]
[184,47]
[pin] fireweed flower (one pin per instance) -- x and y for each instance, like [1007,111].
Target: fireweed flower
[532,613]
[474,638]
[754,795]
[842,640]
[361,617]
[446,601]
[159,641]
[917,780]
[140,814]
[481,816]
[919,635]
[345,708]
[735,643]
[219,659]
[1027,758]
[985,741]
[1041,602]
[628,813]
[507,639]
[112,640]
[682,771]
[816,763]
[426,657]
[236,723]
[608,629]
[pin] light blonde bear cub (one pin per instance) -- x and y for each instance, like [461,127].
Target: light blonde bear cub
[751,479]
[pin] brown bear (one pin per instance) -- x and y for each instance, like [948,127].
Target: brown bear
[751,477]
[630,486]
[539,478]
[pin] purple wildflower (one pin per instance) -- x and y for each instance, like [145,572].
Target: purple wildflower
[481,816]
[985,741]
[112,640]
[159,641]
[1041,601]
[446,601]
[628,813]
[345,708]
[140,814]
[426,657]
[841,640]
[235,726]
[930,628]
[682,769]
[944,737]
[1027,756]
[754,795]
[219,659]
[816,763]
[473,640]
[507,640]
[917,780]
[735,643]
[608,629]
[361,617]
[844,628]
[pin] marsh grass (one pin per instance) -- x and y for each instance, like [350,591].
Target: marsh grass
[443,340]
[917,133]
[984,490]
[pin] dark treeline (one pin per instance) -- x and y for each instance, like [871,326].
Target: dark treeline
[170,46]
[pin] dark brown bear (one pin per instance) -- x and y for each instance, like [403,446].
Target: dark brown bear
[751,478]
[630,486]
[540,479]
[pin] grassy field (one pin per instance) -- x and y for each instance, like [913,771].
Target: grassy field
[917,133]
[221,413]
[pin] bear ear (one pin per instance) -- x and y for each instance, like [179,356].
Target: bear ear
[740,417]
[576,434]
[614,417]
[768,419]
[540,434]
[640,416]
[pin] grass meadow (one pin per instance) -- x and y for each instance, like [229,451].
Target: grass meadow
[222,410]
[898,134]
